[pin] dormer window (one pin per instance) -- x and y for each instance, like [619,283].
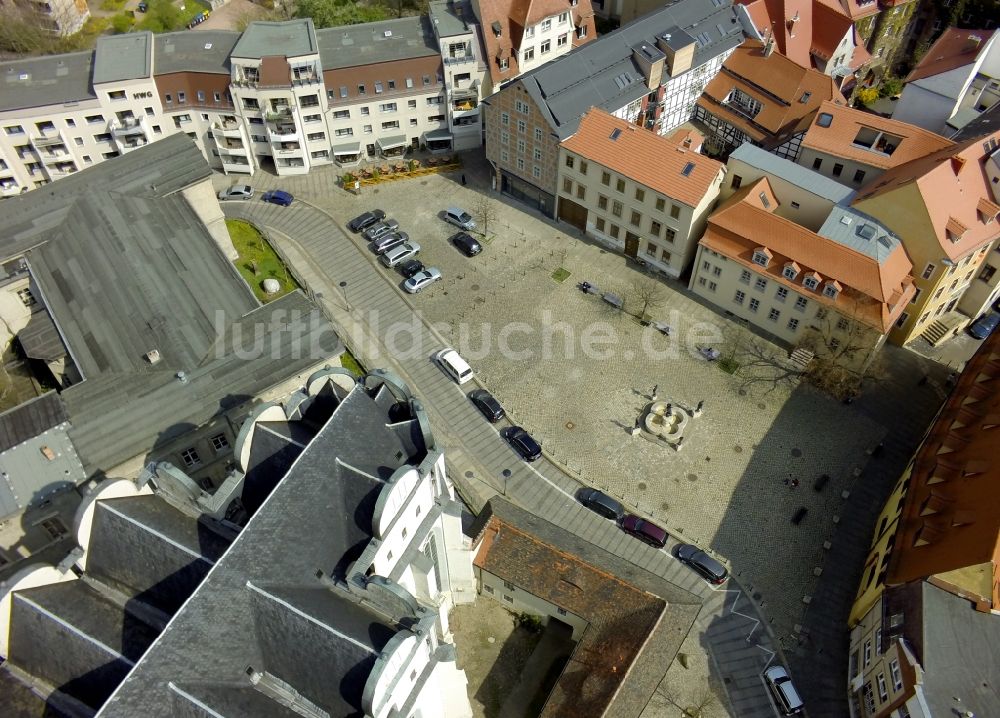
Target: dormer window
[503,63]
[987,211]
[955,230]
[811,281]
[762,256]
[497,30]
[790,271]
[831,289]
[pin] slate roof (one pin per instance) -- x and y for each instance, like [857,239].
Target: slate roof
[844,123]
[188,51]
[30,419]
[789,94]
[125,266]
[955,48]
[123,57]
[986,124]
[40,339]
[802,177]
[637,620]
[644,156]
[451,18]
[263,604]
[368,44]
[45,81]
[291,38]
[566,88]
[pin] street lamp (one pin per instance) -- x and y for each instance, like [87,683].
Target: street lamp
[506,475]
[343,288]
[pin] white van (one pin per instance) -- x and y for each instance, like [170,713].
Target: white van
[780,685]
[454,365]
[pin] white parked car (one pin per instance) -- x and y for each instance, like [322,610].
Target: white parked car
[422,279]
[399,254]
[237,191]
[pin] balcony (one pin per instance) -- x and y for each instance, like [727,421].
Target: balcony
[47,138]
[9,189]
[230,128]
[127,144]
[460,60]
[464,107]
[61,170]
[127,127]
[230,147]
[55,154]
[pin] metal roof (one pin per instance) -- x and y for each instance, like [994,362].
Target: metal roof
[603,73]
[291,38]
[812,182]
[384,41]
[188,51]
[45,81]
[451,18]
[123,57]
[862,233]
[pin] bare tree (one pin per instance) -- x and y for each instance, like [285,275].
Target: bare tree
[693,704]
[22,31]
[650,293]
[484,209]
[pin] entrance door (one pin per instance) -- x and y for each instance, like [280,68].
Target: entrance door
[631,245]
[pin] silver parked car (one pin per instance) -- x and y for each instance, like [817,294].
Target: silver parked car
[389,241]
[399,254]
[380,228]
[237,191]
[422,279]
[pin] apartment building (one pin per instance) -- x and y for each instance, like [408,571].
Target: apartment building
[954,83]
[856,148]
[923,626]
[649,73]
[764,98]
[520,36]
[642,194]
[280,95]
[944,208]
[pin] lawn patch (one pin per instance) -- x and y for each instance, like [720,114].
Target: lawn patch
[258,261]
[561,275]
[348,361]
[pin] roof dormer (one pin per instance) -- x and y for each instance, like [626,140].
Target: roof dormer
[811,280]
[832,289]
[762,256]
[987,211]
[790,270]
[955,230]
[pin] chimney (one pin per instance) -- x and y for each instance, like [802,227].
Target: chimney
[650,59]
[678,46]
[972,43]
[769,45]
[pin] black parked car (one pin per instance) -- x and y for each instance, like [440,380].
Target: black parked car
[522,442]
[467,244]
[710,569]
[601,503]
[489,406]
[366,220]
[410,267]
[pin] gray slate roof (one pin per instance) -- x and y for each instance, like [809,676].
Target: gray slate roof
[590,75]
[813,182]
[44,81]
[446,20]
[860,232]
[354,45]
[190,51]
[290,38]
[959,654]
[987,123]
[40,339]
[263,605]
[30,419]
[123,57]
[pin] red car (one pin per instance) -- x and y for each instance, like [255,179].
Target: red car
[644,530]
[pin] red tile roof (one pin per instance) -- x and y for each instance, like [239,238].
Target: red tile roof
[743,224]
[955,48]
[845,122]
[951,183]
[854,9]
[747,69]
[645,157]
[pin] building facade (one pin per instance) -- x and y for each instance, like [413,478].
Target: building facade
[648,73]
[644,195]
[280,95]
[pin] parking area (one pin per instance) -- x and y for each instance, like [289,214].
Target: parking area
[577,373]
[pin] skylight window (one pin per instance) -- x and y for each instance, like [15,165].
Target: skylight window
[615,133]
[688,168]
[825,119]
[805,97]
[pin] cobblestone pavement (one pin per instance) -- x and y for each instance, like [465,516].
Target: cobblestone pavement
[726,488]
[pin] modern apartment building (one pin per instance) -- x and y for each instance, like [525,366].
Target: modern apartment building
[642,194]
[924,624]
[649,73]
[764,98]
[520,36]
[855,147]
[944,208]
[281,95]
[836,291]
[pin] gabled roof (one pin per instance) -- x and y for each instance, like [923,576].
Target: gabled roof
[854,9]
[950,182]
[789,93]
[843,123]
[646,157]
[955,48]
[605,74]
[746,223]
[637,621]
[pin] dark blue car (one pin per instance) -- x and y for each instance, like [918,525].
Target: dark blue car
[278,196]
[984,326]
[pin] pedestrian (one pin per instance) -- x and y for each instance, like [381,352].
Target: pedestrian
[701,405]
[786,482]
[656,390]
[795,482]
[463,179]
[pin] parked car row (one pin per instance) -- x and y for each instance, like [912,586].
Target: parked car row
[245,192]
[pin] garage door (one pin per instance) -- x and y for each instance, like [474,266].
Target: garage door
[572,213]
